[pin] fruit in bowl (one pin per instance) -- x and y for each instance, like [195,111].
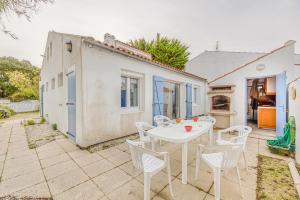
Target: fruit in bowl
[178,120]
[195,119]
[188,128]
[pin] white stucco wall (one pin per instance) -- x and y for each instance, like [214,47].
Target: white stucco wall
[103,117]
[211,64]
[55,109]
[277,62]
[294,110]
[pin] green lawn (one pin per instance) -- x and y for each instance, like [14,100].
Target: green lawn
[274,180]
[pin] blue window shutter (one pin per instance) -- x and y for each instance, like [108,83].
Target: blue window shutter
[189,101]
[158,95]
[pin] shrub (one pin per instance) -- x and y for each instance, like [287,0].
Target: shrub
[43,120]
[30,122]
[6,112]
[54,126]
[3,114]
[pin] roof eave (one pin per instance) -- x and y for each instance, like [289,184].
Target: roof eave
[164,66]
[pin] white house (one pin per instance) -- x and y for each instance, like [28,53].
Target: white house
[95,91]
[231,74]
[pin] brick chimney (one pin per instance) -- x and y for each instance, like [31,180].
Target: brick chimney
[112,41]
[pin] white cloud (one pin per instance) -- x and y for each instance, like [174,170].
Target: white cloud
[239,25]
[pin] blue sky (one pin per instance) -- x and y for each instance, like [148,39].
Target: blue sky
[238,25]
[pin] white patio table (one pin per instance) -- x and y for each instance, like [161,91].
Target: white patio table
[176,133]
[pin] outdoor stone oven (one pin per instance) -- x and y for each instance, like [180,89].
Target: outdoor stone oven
[221,105]
[220,102]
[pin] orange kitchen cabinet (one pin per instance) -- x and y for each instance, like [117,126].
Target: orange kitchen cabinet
[270,86]
[266,117]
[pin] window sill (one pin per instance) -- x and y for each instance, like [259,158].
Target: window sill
[130,110]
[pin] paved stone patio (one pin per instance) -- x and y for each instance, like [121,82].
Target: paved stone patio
[61,170]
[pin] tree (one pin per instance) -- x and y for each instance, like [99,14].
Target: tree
[21,8]
[19,80]
[25,89]
[165,50]
[6,88]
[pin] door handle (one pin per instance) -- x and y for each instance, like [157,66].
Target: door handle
[282,107]
[68,103]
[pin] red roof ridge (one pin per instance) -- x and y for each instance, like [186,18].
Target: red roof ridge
[130,45]
[141,58]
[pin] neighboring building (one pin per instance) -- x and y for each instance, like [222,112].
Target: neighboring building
[96,91]
[235,72]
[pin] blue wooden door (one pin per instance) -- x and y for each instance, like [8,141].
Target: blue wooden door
[281,103]
[189,101]
[158,95]
[71,104]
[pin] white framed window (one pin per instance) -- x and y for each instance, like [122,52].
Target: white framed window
[196,95]
[53,83]
[130,92]
[60,80]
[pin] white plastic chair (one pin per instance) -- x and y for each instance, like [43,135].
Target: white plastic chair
[207,118]
[224,157]
[163,121]
[148,161]
[142,128]
[211,131]
[243,133]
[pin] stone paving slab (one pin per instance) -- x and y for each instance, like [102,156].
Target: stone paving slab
[47,162]
[66,181]
[59,169]
[111,180]
[21,182]
[132,190]
[182,192]
[36,191]
[87,159]
[85,191]
[98,168]
[18,170]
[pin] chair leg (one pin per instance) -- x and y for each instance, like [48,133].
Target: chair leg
[153,145]
[217,183]
[239,180]
[170,179]
[245,160]
[211,136]
[197,164]
[147,184]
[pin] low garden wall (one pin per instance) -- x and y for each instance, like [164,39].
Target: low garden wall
[22,106]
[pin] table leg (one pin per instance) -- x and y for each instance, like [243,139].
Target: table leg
[184,162]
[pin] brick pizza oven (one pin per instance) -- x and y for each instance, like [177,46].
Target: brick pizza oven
[221,104]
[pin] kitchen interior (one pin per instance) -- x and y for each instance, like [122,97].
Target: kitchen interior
[262,102]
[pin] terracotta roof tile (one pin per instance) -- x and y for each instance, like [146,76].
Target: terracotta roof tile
[140,57]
